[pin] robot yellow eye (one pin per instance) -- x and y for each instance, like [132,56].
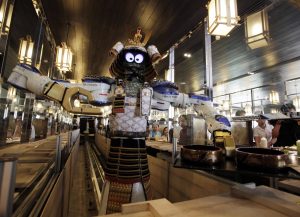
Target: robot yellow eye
[129,57]
[139,58]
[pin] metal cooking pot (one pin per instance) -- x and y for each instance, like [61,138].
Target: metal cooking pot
[202,154]
[262,158]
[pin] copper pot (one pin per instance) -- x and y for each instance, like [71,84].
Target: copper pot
[261,158]
[202,154]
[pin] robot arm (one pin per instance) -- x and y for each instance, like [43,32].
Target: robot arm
[29,78]
[160,105]
[215,121]
[168,92]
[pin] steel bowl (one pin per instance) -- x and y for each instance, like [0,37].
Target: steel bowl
[204,154]
[261,158]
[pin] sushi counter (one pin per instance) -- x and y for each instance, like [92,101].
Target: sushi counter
[183,188]
[179,179]
[240,201]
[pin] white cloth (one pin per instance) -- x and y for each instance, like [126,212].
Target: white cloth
[260,132]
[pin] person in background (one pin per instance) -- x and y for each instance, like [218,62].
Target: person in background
[75,124]
[147,131]
[32,133]
[287,132]
[240,113]
[155,133]
[165,134]
[263,129]
[18,128]
[288,109]
[185,137]
[107,130]
[171,132]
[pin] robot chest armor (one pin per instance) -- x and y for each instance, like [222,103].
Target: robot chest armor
[132,89]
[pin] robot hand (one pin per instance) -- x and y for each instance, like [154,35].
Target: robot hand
[217,122]
[214,121]
[29,78]
[68,103]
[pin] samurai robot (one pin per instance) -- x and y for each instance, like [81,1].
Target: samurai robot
[132,93]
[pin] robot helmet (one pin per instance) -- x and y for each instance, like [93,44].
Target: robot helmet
[133,59]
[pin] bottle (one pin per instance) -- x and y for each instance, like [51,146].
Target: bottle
[263,143]
[298,147]
[229,146]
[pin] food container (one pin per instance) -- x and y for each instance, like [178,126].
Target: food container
[204,154]
[261,158]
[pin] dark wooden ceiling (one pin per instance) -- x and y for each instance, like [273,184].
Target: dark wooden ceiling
[96,25]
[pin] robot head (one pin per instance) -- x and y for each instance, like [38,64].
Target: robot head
[133,60]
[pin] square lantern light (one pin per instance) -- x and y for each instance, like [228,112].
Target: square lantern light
[274,97]
[6,9]
[26,50]
[257,30]
[296,103]
[11,93]
[222,17]
[64,57]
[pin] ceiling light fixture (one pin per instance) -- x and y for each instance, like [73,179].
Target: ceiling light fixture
[274,97]
[36,6]
[11,93]
[257,30]
[296,100]
[296,103]
[6,9]
[64,58]
[77,103]
[64,55]
[187,55]
[274,111]
[26,50]
[222,17]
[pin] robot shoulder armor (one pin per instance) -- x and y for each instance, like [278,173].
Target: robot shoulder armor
[99,79]
[165,87]
[163,83]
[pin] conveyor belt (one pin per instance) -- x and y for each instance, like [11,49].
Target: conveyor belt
[35,173]
[35,195]
[35,177]
[96,173]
